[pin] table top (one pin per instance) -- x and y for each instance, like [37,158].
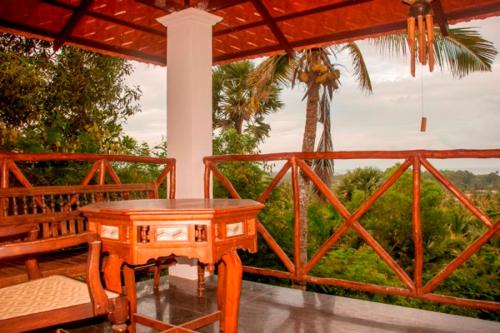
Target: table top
[163,206]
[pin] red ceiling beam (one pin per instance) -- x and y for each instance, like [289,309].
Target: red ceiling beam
[71,24]
[440,16]
[107,18]
[247,53]
[329,38]
[211,6]
[218,5]
[215,5]
[478,11]
[262,10]
[159,60]
[156,59]
[291,16]
[165,5]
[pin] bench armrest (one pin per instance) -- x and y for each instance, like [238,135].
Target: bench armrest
[97,294]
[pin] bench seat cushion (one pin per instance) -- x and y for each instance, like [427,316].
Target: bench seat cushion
[45,294]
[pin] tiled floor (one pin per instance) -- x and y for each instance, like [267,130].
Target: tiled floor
[266,308]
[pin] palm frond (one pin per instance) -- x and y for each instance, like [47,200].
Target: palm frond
[395,44]
[324,168]
[464,51]
[358,63]
[274,69]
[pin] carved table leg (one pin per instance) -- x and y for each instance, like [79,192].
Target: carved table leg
[130,288]
[228,291]
[221,291]
[119,315]
[112,273]
[201,279]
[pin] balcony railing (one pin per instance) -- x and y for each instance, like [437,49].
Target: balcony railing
[55,206]
[414,286]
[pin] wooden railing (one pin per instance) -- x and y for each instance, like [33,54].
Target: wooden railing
[300,271]
[55,207]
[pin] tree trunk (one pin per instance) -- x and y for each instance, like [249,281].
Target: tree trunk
[308,143]
[238,124]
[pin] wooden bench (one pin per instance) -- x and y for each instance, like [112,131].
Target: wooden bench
[56,208]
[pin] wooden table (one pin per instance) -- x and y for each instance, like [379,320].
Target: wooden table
[134,232]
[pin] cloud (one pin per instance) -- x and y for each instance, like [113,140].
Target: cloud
[461,113]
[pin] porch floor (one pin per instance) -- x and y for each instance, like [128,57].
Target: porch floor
[266,308]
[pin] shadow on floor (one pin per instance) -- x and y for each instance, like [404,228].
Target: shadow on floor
[266,308]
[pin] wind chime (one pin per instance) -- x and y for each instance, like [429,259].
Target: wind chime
[421,39]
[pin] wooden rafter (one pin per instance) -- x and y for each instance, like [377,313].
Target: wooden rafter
[440,16]
[328,38]
[479,10]
[312,11]
[209,5]
[71,23]
[262,10]
[112,19]
[144,31]
[166,5]
[91,44]
[215,5]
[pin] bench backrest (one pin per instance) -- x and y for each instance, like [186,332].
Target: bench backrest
[56,208]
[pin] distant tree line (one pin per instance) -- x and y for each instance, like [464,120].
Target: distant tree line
[467,181]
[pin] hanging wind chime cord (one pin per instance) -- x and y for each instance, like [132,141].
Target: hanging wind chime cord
[420,39]
[423,119]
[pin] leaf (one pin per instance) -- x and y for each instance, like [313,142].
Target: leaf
[360,70]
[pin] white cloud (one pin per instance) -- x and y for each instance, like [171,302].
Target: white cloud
[461,113]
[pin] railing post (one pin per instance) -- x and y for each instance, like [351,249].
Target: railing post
[101,179]
[172,179]
[417,226]
[102,172]
[4,183]
[206,179]
[296,217]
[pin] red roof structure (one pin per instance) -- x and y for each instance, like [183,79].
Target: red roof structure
[250,28]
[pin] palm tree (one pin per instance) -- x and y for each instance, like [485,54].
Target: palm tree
[237,105]
[314,68]
[462,51]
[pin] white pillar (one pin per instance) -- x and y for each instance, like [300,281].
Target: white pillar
[189,102]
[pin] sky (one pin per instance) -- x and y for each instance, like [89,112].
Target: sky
[462,113]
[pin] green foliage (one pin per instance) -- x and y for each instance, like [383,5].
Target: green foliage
[66,101]
[238,104]
[230,142]
[357,264]
[250,180]
[447,229]
[359,179]
[467,181]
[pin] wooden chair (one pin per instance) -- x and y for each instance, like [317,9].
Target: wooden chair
[55,210]
[57,299]
[18,232]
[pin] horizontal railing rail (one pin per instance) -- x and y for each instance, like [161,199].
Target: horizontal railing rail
[298,271]
[55,207]
[36,157]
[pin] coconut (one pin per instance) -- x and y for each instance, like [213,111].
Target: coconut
[322,78]
[319,68]
[303,76]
